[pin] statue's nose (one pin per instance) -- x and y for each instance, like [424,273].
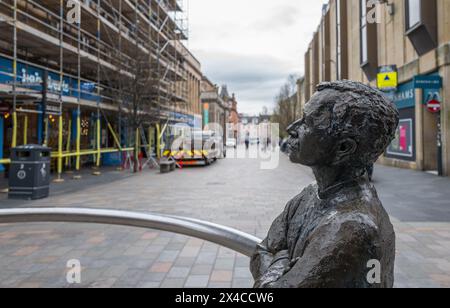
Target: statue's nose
[293,129]
[293,133]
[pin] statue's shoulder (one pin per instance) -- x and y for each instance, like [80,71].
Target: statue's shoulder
[302,198]
[351,221]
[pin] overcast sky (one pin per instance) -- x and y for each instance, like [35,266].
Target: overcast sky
[252,45]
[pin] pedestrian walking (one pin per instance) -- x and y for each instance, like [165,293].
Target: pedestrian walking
[247,140]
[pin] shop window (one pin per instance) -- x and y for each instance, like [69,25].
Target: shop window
[413,13]
[363,33]
[368,42]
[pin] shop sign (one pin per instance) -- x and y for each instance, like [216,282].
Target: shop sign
[387,78]
[428,82]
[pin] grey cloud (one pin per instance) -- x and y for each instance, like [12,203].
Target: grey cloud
[281,17]
[255,78]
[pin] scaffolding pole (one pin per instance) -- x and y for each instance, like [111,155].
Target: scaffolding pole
[98,141]
[25,129]
[14,85]
[77,175]
[69,141]
[61,81]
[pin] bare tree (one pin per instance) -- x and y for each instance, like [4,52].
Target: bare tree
[287,106]
[133,86]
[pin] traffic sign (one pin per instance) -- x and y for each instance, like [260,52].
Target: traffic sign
[434,106]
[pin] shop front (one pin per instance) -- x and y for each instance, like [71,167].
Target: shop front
[415,143]
[404,145]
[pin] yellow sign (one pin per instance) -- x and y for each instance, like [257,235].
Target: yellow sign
[387,80]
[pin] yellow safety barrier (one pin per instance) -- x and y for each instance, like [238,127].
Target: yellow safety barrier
[56,155]
[90,152]
[116,140]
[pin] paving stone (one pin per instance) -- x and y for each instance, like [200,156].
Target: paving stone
[201,269]
[168,256]
[179,272]
[221,276]
[161,267]
[197,281]
[173,283]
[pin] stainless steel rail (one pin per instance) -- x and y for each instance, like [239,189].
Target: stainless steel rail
[236,240]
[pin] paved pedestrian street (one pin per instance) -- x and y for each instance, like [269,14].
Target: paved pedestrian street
[232,192]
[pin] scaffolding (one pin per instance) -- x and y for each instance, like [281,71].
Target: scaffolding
[79,65]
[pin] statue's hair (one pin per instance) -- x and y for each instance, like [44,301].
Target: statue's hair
[366,115]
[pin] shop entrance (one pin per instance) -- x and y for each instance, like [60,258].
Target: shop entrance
[430,131]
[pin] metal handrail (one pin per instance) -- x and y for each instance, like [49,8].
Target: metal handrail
[236,240]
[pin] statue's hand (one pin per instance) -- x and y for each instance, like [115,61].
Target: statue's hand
[281,265]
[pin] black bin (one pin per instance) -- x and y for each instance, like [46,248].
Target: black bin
[29,173]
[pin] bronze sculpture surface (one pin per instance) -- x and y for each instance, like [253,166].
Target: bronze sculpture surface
[335,230]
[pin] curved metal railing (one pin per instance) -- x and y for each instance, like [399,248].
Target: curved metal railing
[223,236]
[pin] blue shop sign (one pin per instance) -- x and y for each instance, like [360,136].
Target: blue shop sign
[6,70]
[31,77]
[405,96]
[183,118]
[428,82]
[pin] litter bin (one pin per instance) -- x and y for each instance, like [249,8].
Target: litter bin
[29,174]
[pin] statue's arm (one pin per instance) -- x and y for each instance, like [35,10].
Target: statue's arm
[273,250]
[336,254]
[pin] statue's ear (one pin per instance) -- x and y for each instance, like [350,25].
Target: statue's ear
[344,149]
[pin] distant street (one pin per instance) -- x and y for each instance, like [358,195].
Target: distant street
[232,192]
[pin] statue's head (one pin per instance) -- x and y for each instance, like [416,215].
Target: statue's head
[345,123]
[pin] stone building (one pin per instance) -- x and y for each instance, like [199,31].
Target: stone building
[66,84]
[403,42]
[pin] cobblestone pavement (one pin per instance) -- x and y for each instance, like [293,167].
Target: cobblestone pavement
[232,192]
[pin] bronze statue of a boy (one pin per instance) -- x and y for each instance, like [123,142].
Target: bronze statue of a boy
[336,231]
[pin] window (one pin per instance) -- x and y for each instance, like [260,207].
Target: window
[421,24]
[413,13]
[338,41]
[363,33]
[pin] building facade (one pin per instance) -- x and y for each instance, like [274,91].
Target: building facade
[67,72]
[215,109]
[403,41]
[220,108]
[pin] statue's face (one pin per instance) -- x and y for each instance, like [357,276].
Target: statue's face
[309,143]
